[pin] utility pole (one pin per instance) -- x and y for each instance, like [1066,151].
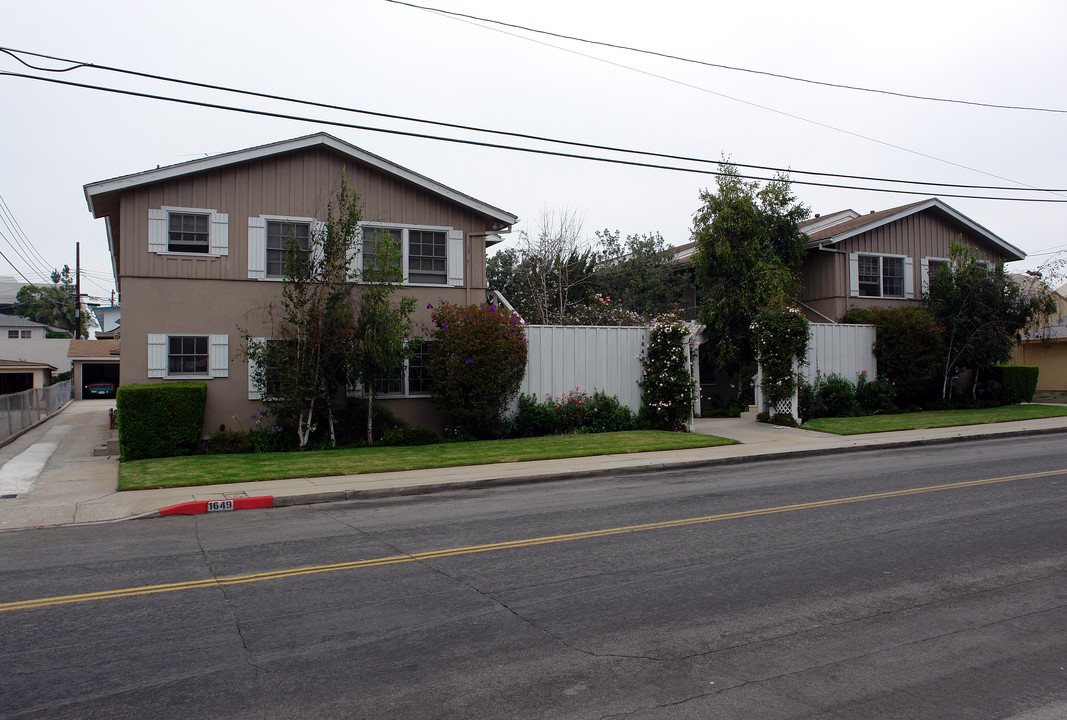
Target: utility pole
[77,291]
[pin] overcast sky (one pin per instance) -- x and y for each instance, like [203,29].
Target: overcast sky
[384,57]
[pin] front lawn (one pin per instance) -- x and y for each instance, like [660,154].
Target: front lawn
[942,418]
[218,469]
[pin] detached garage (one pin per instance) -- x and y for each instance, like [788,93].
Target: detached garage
[19,375]
[95,363]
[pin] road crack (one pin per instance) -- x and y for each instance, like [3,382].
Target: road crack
[228,600]
[497,601]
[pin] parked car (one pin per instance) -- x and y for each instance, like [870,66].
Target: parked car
[100,390]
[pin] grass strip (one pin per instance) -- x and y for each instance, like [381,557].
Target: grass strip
[932,419]
[222,469]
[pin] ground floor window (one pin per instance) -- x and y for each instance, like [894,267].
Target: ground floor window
[187,355]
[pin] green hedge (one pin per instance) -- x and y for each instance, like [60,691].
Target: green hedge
[1017,383]
[160,420]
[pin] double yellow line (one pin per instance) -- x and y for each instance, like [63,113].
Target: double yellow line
[492,547]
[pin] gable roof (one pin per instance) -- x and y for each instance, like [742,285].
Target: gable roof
[24,365]
[103,187]
[8,321]
[856,226]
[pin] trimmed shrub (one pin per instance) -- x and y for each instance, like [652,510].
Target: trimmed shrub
[230,441]
[476,362]
[782,419]
[837,396]
[875,397]
[1017,383]
[419,436]
[160,420]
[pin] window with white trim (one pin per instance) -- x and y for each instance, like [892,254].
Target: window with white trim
[188,355]
[411,379]
[880,276]
[12,334]
[188,231]
[431,255]
[281,235]
[269,237]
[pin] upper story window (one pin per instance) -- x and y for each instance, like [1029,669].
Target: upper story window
[188,231]
[372,237]
[430,255]
[426,257]
[880,276]
[280,233]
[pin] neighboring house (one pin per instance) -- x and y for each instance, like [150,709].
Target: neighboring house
[94,362]
[1046,349]
[9,288]
[19,375]
[885,258]
[22,339]
[13,327]
[197,252]
[107,318]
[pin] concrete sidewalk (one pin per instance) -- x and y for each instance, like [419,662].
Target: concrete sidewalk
[73,487]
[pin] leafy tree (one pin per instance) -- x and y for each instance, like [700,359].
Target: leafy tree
[549,275]
[306,365]
[636,272]
[982,312]
[907,346]
[477,359]
[54,304]
[749,257]
[383,328]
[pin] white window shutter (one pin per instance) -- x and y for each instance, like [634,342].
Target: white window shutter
[157,356]
[924,273]
[355,256]
[219,356]
[455,258]
[854,274]
[909,277]
[219,234]
[255,392]
[318,237]
[257,248]
[157,230]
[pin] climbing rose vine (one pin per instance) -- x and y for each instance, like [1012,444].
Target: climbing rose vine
[667,386]
[780,335]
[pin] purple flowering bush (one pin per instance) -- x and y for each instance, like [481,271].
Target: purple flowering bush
[477,359]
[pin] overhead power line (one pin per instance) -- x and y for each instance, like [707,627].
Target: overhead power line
[515,148]
[75,65]
[734,68]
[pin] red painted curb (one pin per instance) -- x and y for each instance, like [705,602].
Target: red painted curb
[199,507]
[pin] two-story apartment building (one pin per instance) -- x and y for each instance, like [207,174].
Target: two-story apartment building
[197,252]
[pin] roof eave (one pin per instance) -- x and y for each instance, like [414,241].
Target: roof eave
[125,182]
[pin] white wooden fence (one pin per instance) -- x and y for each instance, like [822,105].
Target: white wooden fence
[846,350]
[565,357]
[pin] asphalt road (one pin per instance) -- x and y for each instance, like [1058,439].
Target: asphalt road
[919,583]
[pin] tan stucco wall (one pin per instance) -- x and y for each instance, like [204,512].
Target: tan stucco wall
[234,308]
[1051,361]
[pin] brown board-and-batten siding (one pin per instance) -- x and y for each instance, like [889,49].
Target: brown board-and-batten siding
[298,184]
[927,234]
